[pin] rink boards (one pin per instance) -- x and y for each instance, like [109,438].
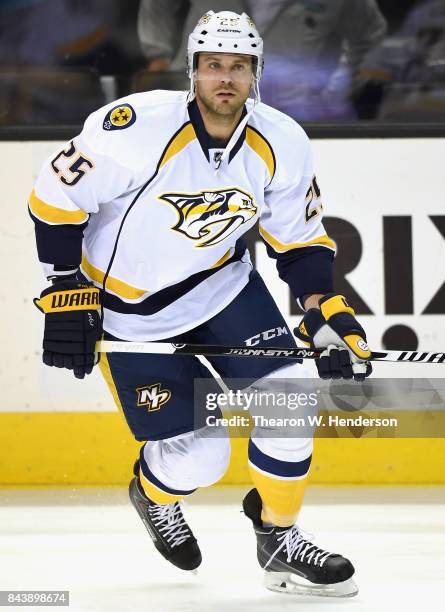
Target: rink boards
[383,200]
[97,449]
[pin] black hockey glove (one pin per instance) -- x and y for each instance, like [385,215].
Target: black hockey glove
[72,325]
[335,328]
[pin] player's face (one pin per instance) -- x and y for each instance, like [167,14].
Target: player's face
[223,81]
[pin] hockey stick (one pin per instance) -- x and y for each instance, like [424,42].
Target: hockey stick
[166,348]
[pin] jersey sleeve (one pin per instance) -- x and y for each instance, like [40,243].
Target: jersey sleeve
[291,222]
[72,185]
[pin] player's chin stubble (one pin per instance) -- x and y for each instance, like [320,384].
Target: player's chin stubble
[223,108]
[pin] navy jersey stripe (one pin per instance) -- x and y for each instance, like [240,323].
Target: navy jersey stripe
[163,298]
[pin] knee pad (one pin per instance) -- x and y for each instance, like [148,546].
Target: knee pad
[285,442]
[196,459]
[210,455]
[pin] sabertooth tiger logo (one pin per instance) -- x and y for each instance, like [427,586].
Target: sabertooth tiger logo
[210,216]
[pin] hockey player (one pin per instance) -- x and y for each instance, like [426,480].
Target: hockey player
[139,223]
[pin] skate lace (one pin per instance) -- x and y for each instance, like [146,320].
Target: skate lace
[170,522]
[297,545]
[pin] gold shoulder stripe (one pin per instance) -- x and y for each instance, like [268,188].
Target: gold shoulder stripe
[262,148]
[115,285]
[324,241]
[53,214]
[181,140]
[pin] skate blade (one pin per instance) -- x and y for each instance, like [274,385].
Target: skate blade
[285,582]
[194,572]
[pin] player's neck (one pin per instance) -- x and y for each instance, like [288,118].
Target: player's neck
[219,127]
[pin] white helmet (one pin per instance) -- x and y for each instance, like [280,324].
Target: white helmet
[225,32]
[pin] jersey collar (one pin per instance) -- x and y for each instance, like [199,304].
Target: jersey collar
[205,140]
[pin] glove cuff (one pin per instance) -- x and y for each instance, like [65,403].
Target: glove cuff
[81,297]
[332,304]
[309,326]
[341,318]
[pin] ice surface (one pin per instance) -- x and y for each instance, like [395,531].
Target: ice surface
[92,543]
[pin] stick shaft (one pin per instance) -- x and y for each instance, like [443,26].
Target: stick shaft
[166,348]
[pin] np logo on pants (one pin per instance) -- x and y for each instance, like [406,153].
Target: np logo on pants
[153,396]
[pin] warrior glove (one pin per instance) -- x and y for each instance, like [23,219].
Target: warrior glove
[72,325]
[335,329]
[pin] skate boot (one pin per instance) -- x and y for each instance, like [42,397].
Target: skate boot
[293,564]
[167,527]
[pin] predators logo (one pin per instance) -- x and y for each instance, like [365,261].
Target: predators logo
[204,19]
[119,117]
[210,216]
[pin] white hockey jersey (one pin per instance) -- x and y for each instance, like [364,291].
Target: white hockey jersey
[161,223]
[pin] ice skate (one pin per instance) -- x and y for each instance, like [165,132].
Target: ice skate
[293,564]
[167,527]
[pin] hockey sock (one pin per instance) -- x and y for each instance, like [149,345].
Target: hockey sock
[155,494]
[282,497]
[156,490]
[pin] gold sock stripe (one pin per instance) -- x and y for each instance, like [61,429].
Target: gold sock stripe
[282,499]
[155,494]
[279,520]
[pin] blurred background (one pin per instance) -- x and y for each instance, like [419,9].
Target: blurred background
[337,61]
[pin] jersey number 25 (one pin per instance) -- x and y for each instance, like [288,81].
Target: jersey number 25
[70,165]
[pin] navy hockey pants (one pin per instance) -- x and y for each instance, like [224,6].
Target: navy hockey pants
[157,393]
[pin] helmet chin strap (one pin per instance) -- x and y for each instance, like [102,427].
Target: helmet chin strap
[191,94]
